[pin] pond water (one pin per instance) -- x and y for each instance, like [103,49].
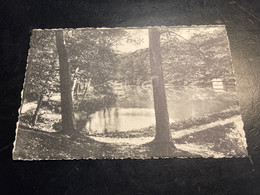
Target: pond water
[135,109]
[121,119]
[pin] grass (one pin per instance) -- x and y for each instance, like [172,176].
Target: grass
[33,144]
[193,122]
[38,144]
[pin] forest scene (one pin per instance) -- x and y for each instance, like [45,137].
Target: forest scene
[129,93]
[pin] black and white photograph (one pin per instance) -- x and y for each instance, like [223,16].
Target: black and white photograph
[139,93]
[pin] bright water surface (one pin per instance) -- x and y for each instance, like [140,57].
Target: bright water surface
[135,109]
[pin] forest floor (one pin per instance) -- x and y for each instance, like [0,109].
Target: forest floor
[218,135]
[223,138]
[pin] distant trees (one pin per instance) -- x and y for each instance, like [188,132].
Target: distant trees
[93,66]
[42,78]
[134,68]
[84,69]
[88,60]
[194,60]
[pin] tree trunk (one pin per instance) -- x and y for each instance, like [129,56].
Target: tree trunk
[77,92]
[86,87]
[163,134]
[74,83]
[65,84]
[35,116]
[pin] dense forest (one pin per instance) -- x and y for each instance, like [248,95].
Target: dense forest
[77,76]
[92,70]
[194,61]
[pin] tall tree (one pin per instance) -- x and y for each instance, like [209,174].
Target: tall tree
[65,84]
[163,134]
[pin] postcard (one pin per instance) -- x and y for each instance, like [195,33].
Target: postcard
[139,93]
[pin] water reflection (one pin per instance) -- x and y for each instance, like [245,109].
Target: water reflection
[121,119]
[135,110]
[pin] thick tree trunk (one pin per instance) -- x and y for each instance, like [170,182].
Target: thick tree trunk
[36,113]
[163,134]
[65,85]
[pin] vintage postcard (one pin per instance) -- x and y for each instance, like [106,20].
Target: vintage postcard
[140,93]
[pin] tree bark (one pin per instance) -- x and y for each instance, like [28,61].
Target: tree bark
[74,83]
[163,134]
[65,84]
[35,116]
[87,87]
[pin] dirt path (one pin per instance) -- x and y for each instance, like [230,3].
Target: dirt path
[236,119]
[203,150]
[176,135]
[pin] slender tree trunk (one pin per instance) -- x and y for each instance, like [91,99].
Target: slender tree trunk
[74,83]
[87,87]
[65,85]
[105,120]
[160,104]
[36,113]
[77,91]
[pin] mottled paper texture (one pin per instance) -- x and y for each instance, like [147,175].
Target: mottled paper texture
[142,92]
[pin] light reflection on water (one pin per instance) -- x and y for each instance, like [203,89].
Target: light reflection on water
[128,116]
[121,119]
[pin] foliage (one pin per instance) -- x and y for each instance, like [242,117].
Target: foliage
[190,57]
[91,51]
[197,59]
[133,69]
[42,75]
[94,103]
[193,122]
[92,61]
[96,66]
[92,56]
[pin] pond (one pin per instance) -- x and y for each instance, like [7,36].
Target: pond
[121,119]
[134,109]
